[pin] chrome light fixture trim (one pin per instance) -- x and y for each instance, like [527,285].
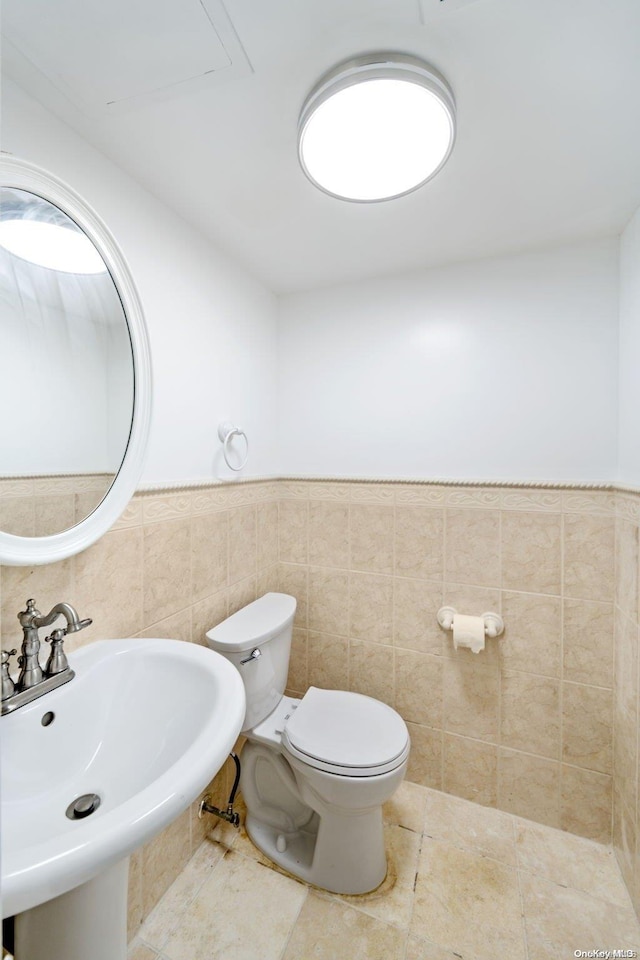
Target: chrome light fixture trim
[370,67]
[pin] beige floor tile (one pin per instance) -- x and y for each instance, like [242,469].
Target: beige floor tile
[135,908]
[392,902]
[471,827]
[423,950]
[467,903]
[245,846]
[406,807]
[560,920]
[330,929]
[167,915]
[571,861]
[403,850]
[140,951]
[242,905]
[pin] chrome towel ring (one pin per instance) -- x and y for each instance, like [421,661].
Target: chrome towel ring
[226,432]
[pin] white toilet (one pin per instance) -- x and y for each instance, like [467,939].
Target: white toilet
[316,771]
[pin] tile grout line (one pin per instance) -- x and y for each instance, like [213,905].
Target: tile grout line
[445,559]
[523,918]
[293,925]
[415,879]
[394,562]
[349,588]
[500,674]
[406,929]
[614,646]
[187,901]
[561,685]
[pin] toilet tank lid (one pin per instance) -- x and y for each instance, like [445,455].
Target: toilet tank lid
[253,624]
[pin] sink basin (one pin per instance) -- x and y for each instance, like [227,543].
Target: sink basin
[144,725]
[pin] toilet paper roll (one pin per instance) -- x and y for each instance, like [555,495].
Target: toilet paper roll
[468,632]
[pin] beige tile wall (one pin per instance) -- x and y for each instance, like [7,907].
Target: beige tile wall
[174,565]
[40,506]
[626,810]
[526,725]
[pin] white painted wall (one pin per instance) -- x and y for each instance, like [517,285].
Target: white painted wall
[629,398]
[499,369]
[502,368]
[212,327]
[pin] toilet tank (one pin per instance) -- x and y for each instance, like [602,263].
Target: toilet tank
[266,626]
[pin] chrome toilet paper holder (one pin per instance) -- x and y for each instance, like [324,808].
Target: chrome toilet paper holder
[493,622]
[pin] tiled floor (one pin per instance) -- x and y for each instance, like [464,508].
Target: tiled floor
[465,882]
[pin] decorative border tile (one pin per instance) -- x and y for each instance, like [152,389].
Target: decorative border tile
[474,497]
[329,491]
[242,496]
[628,507]
[441,482]
[542,500]
[430,495]
[19,487]
[169,485]
[208,501]
[45,486]
[173,499]
[131,516]
[380,492]
[166,508]
[604,499]
[293,489]
[577,501]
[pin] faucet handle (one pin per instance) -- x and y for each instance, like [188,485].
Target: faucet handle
[8,686]
[57,662]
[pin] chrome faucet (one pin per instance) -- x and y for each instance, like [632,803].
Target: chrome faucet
[33,681]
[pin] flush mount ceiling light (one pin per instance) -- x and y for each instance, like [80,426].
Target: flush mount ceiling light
[376,127]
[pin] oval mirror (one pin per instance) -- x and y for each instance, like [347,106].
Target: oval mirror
[75,375]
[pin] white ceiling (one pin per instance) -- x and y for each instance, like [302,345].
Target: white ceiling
[548,97]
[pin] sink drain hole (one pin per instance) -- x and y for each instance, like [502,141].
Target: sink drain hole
[48,718]
[83,806]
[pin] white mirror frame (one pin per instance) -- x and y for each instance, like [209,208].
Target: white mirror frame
[27,551]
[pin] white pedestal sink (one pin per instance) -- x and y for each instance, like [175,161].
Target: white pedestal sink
[144,725]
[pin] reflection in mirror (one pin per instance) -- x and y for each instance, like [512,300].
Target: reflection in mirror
[66,370]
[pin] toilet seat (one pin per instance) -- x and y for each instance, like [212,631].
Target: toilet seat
[346,734]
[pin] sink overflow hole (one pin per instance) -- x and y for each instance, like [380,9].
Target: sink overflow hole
[48,718]
[83,806]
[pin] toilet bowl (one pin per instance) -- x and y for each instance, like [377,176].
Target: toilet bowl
[316,770]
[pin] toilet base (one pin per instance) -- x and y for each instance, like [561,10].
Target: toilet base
[323,828]
[296,857]
[343,854]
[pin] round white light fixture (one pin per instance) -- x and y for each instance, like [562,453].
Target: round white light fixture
[376,127]
[51,245]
